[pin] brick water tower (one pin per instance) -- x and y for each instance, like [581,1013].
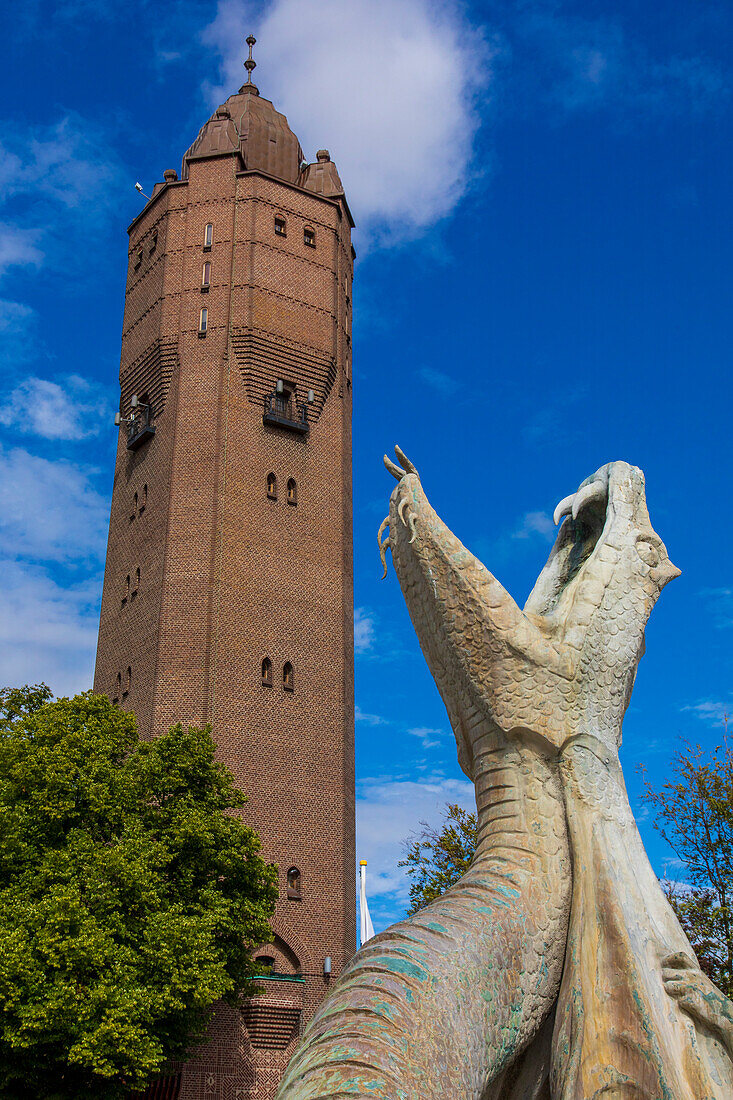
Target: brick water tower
[228,583]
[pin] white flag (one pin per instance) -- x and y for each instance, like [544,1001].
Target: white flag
[367,928]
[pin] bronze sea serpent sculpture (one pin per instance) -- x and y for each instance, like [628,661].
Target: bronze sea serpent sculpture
[555,968]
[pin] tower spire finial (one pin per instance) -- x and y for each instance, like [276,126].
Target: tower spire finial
[250,64]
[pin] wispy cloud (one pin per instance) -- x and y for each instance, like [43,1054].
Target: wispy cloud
[61,163]
[49,510]
[18,247]
[369,719]
[75,409]
[439,381]
[592,63]
[720,604]
[14,316]
[536,525]
[48,631]
[364,630]
[429,738]
[388,811]
[401,129]
[713,711]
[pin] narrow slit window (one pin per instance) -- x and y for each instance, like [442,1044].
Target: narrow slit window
[153,242]
[208,236]
[134,508]
[206,276]
[138,258]
[267,672]
[126,593]
[272,487]
[309,237]
[281,228]
[118,688]
[128,683]
[143,500]
[292,491]
[203,321]
[294,889]
[288,677]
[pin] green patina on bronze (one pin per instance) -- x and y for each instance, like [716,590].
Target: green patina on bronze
[509,986]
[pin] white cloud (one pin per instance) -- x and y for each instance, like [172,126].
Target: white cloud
[392,88]
[428,736]
[369,719]
[439,381]
[388,811]
[714,711]
[49,511]
[18,247]
[536,524]
[61,162]
[364,633]
[75,410]
[583,63]
[13,316]
[47,631]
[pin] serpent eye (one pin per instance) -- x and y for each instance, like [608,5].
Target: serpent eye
[648,552]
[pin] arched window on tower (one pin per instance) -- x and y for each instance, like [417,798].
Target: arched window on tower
[292,491]
[272,486]
[280,226]
[206,276]
[294,890]
[208,237]
[203,321]
[288,677]
[266,672]
[265,964]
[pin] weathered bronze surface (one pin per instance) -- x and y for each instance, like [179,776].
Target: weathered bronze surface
[555,969]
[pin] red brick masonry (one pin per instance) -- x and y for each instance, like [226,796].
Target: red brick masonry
[229,575]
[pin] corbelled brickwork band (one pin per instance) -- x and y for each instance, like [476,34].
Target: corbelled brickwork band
[228,585]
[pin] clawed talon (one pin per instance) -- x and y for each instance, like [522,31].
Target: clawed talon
[383,545]
[395,470]
[411,517]
[405,467]
[404,461]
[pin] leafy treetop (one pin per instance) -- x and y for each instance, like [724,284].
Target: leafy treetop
[130,895]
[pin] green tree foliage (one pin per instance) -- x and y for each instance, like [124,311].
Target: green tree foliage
[436,858]
[694,812]
[130,895]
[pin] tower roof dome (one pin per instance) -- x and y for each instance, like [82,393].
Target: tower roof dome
[250,125]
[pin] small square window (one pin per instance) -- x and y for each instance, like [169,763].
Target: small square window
[280,227]
[309,237]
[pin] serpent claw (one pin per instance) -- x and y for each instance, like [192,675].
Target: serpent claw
[404,461]
[395,470]
[383,545]
[411,517]
[401,509]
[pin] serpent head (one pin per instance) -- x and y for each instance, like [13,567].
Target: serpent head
[565,665]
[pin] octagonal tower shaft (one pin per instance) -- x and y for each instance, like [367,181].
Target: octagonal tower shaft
[228,582]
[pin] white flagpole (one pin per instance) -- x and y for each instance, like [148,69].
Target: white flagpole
[366,927]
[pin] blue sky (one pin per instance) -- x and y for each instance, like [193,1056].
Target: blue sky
[543,285]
